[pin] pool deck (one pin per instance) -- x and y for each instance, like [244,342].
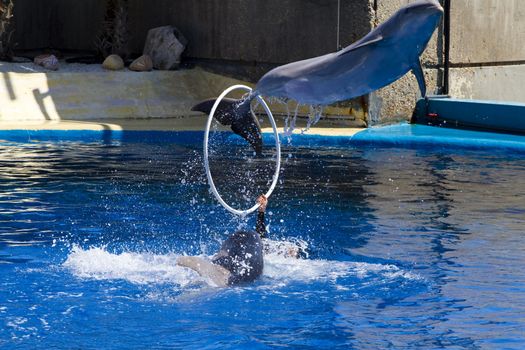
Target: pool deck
[32,97]
[195,123]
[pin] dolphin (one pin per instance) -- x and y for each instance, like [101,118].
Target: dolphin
[378,59]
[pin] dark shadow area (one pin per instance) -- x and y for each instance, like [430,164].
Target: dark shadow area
[264,33]
[107,134]
[39,98]
[9,85]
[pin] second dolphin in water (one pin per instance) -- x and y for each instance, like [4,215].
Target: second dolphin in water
[378,59]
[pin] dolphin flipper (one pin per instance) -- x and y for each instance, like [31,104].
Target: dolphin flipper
[237,114]
[417,70]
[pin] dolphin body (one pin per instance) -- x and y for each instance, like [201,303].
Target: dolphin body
[378,59]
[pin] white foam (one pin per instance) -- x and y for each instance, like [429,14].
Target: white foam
[146,268]
[286,269]
[138,268]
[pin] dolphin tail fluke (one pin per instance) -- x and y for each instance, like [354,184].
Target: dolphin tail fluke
[246,125]
[237,114]
[224,113]
[420,76]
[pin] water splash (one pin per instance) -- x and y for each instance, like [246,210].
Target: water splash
[375,103]
[146,268]
[289,125]
[315,114]
[137,268]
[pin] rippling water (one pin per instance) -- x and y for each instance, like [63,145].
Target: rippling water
[407,248]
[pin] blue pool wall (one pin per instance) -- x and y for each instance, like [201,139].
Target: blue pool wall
[490,116]
[397,135]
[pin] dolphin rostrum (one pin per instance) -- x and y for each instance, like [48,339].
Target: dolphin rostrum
[378,59]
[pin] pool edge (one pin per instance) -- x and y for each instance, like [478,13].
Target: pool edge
[402,135]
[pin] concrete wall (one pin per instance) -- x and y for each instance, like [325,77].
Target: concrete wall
[487,51]
[98,95]
[60,24]
[273,31]
[270,31]
[496,83]
[104,95]
[487,31]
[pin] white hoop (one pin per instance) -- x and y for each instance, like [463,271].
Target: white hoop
[277,149]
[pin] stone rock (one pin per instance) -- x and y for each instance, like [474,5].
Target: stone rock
[19,59]
[47,61]
[142,64]
[113,62]
[165,45]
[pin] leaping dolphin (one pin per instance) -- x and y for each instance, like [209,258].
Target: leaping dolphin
[378,59]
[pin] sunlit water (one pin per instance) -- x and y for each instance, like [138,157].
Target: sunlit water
[407,248]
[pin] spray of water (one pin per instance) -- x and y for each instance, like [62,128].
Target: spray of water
[290,122]
[315,114]
[280,269]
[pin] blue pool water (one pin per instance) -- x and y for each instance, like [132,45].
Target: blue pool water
[408,247]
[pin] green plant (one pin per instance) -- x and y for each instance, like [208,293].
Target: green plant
[6,29]
[114,36]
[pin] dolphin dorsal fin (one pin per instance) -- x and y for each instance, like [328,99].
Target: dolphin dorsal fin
[361,44]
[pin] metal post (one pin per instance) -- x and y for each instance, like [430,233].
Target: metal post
[338,24]
[446,49]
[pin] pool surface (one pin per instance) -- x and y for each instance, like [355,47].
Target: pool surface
[408,247]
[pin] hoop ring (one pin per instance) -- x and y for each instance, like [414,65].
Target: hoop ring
[206,160]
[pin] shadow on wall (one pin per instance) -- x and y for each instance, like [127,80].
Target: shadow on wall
[103,97]
[27,101]
[9,86]
[26,97]
[39,98]
[155,100]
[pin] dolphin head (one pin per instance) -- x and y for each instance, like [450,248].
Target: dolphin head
[415,23]
[424,7]
[273,82]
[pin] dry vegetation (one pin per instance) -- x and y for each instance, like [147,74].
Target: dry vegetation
[114,37]
[6,29]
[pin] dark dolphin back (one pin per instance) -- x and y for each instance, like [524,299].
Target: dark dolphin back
[242,255]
